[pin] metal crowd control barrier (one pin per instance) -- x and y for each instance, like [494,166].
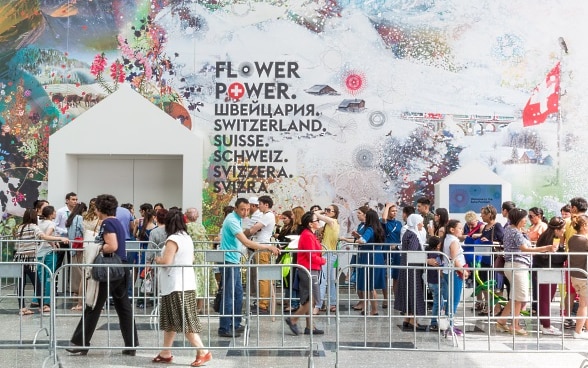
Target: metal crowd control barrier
[209,319]
[462,318]
[14,271]
[389,339]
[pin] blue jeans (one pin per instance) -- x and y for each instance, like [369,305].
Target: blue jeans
[328,275]
[232,303]
[435,312]
[44,277]
[451,305]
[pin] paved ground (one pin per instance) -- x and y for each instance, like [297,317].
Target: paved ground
[363,342]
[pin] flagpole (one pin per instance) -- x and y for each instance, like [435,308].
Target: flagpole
[563,49]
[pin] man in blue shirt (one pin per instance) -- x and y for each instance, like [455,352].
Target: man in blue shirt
[392,229]
[125,218]
[232,237]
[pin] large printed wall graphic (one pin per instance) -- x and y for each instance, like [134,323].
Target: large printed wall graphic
[311,101]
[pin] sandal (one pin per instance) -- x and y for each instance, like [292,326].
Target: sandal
[77,308]
[521,331]
[333,309]
[480,306]
[501,327]
[160,359]
[46,309]
[384,305]
[26,312]
[200,360]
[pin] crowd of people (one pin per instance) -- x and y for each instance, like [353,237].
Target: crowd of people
[171,238]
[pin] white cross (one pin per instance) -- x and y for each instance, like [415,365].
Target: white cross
[542,94]
[235,91]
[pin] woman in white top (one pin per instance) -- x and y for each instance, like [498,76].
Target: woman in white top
[26,251]
[177,310]
[453,250]
[46,255]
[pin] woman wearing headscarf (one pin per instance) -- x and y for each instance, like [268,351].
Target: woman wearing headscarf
[410,298]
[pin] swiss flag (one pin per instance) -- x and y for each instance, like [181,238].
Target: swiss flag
[544,100]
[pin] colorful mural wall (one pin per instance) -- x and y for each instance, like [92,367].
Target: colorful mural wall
[311,101]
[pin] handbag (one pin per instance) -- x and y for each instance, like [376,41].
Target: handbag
[78,243]
[102,273]
[146,284]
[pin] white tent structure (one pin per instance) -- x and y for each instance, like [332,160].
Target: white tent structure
[471,187]
[128,147]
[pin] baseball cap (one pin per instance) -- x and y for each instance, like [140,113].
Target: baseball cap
[254,200]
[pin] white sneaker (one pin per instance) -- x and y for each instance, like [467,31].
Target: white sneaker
[582,335]
[550,331]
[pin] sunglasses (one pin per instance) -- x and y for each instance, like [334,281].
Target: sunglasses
[316,220]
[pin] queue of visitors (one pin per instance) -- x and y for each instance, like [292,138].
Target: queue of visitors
[377,240]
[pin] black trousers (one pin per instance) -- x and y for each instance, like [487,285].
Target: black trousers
[28,271]
[122,304]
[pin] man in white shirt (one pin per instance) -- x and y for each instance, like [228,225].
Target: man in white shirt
[252,217]
[261,232]
[71,200]
[254,214]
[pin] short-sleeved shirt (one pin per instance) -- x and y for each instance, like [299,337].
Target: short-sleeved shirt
[28,233]
[46,247]
[331,235]
[512,241]
[125,218]
[112,225]
[450,238]
[231,227]
[264,234]
[578,244]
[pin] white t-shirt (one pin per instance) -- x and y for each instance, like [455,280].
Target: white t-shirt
[46,247]
[264,235]
[450,238]
[179,278]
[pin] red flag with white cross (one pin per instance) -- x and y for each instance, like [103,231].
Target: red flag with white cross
[544,100]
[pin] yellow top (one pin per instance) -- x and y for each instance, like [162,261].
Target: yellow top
[331,235]
[568,232]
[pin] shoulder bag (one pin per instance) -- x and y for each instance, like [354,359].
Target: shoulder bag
[101,270]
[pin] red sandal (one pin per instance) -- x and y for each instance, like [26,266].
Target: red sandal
[160,359]
[200,360]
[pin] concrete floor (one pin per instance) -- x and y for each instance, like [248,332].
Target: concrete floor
[363,342]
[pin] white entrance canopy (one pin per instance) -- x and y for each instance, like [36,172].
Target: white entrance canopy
[128,147]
